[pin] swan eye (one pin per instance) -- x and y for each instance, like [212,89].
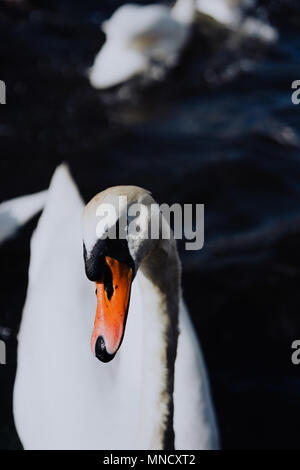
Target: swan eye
[96,291]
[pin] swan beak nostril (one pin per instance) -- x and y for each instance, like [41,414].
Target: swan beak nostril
[101,352]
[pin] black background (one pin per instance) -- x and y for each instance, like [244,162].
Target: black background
[228,140]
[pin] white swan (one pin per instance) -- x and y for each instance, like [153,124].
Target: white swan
[137,36]
[16,212]
[227,12]
[230,13]
[64,397]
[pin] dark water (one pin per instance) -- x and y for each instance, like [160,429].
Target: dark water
[221,130]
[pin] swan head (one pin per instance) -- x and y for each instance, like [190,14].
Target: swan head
[116,227]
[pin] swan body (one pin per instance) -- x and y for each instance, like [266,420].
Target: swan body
[64,398]
[137,36]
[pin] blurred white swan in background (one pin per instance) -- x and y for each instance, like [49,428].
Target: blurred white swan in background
[230,13]
[16,212]
[137,36]
[227,12]
[64,398]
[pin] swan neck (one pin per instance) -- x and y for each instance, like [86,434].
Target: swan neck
[161,268]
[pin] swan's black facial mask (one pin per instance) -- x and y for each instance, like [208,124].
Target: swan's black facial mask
[94,263]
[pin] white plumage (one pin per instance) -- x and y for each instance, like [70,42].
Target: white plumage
[16,212]
[230,13]
[224,11]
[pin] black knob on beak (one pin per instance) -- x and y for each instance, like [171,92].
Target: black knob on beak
[101,352]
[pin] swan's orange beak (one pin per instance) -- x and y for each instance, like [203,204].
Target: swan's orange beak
[112,306]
